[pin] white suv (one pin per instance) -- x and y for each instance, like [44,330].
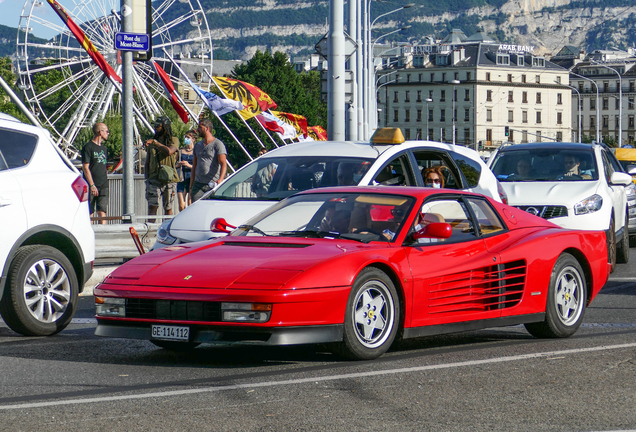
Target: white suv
[577,186]
[47,245]
[388,160]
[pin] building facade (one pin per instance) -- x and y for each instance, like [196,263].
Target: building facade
[474,92]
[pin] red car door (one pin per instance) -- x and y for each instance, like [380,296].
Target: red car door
[452,278]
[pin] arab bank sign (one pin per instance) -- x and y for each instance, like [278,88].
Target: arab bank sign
[515,48]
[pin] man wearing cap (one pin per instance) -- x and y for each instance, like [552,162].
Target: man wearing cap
[210,161]
[161,173]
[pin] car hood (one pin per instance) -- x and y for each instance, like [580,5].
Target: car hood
[549,193]
[230,263]
[193,224]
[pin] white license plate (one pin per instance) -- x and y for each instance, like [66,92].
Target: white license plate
[170,332]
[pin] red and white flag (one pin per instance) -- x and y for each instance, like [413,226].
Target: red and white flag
[170,91]
[271,122]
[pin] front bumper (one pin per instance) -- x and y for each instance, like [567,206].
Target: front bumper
[268,336]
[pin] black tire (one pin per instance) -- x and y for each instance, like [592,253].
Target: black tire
[40,295]
[567,296]
[372,316]
[176,346]
[622,248]
[611,244]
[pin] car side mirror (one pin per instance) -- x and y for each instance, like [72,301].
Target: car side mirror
[220,225]
[438,230]
[620,178]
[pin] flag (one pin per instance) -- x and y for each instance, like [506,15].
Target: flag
[254,100]
[97,57]
[213,102]
[318,133]
[274,124]
[297,121]
[169,88]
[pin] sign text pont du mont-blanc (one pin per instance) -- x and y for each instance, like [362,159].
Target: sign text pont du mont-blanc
[131,41]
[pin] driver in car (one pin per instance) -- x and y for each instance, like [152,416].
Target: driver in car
[572,165]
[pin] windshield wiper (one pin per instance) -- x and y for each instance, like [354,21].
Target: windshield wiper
[248,228]
[309,234]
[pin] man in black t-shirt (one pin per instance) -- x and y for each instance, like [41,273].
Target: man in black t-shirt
[94,157]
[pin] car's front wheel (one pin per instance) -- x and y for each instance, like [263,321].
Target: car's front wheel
[622,248]
[40,295]
[611,244]
[371,317]
[565,306]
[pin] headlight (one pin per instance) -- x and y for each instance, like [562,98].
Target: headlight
[246,312]
[110,306]
[163,233]
[588,205]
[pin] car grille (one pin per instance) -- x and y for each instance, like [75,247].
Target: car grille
[546,212]
[180,310]
[489,288]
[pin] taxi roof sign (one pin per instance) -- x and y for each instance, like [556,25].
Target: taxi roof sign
[388,136]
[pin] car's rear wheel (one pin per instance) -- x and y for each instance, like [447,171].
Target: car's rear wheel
[622,248]
[176,346]
[371,317]
[565,306]
[40,295]
[611,244]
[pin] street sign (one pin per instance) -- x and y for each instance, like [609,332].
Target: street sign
[132,41]
[323,46]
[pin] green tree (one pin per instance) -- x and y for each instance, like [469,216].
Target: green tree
[6,105]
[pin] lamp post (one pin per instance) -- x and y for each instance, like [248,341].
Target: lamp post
[427,100]
[454,82]
[580,126]
[620,101]
[598,113]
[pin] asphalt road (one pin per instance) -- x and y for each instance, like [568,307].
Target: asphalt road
[490,380]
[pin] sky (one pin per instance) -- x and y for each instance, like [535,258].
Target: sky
[12,9]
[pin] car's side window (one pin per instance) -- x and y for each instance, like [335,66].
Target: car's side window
[396,173]
[487,220]
[607,166]
[470,168]
[430,159]
[3,163]
[16,148]
[452,211]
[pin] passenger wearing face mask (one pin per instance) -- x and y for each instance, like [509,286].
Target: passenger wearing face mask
[433,177]
[186,156]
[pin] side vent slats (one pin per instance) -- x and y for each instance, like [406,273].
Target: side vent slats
[494,287]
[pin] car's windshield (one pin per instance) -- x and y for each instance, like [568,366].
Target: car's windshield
[275,178]
[545,164]
[357,216]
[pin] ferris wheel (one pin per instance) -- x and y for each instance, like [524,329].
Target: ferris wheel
[64,87]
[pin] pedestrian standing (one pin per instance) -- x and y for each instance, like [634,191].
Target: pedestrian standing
[210,161]
[160,169]
[94,158]
[184,164]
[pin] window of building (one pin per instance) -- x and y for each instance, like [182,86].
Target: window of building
[488,136]
[592,104]
[420,77]
[509,78]
[466,114]
[395,97]
[487,76]
[605,104]
[523,78]
[559,99]
[616,103]
[443,134]
[407,134]
[593,122]
[407,116]
[432,77]
[441,59]
[407,96]
[503,59]
[456,75]
[442,96]
[605,121]
[616,122]
[510,96]
[559,136]
[605,86]
[524,116]
[580,86]
[442,115]
[489,95]
[630,103]
[419,115]
[631,86]
[559,118]
[538,117]
[396,116]
[408,78]
[538,62]
[520,60]
[419,96]
[511,116]
[524,136]
[538,136]
[630,122]
[443,76]
[538,97]
[186,94]
[469,76]
[537,79]
[466,136]
[430,114]
[488,115]
[524,97]
[467,95]
[455,95]
[419,134]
